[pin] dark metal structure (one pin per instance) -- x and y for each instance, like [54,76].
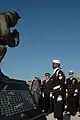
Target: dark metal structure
[16,101]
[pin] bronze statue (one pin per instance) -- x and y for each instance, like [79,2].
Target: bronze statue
[7,38]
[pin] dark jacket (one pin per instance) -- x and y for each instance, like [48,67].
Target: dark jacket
[47,87]
[71,86]
[58,81]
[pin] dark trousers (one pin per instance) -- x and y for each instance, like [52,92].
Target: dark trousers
[51,107]
[72,104]
[79,102]
[58,108]
[46,104]
[79,105]
[41,102]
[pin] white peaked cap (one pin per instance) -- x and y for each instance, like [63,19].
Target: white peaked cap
[56,61]
[70,71]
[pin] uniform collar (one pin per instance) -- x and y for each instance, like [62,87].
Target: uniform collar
[56,69]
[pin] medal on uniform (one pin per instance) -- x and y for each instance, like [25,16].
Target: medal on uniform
[60,76]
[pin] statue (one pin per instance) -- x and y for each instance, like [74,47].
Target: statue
[7,38]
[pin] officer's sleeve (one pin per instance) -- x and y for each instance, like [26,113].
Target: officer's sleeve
[66,86]
[76,85]
[52,83]
[61,77]
[42,86]
[76,81]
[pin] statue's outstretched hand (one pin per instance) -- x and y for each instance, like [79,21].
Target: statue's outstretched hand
[15,35]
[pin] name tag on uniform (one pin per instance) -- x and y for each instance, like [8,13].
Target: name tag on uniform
[57,87]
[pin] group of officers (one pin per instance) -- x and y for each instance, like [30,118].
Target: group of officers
[59,94]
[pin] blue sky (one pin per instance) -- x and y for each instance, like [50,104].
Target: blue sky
[49,29]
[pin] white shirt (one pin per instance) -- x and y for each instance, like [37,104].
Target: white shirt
[47,80]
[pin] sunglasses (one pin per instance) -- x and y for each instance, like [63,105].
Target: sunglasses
[70,73]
